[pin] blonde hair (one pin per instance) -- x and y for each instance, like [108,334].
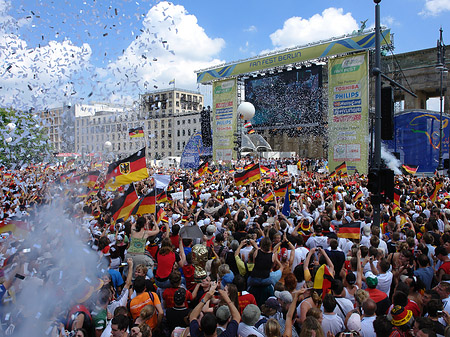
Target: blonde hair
[272,328]
[311,324]
[361,296]
[223,270]
[142,267]
[147,312]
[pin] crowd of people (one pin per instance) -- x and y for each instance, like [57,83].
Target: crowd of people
[224,260]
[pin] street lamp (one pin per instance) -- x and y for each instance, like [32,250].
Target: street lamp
[108,147]
[246,111]
[441,68]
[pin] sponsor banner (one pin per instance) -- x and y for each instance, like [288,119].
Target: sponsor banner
[348,112]
[304,53]
[224,120]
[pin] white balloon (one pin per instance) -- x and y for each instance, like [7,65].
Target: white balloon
[11,126]
[246,110]
[108,144]
[8,140]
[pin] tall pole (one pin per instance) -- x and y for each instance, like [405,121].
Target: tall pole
[376,71]
[441,66]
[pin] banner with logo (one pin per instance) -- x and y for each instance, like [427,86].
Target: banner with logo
[312,51]
[348,112]
[224,120]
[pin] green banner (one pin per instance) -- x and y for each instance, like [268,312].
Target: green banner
[348,112]
[224,120]
[301,54]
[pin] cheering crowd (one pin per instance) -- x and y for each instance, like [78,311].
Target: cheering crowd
[253,250]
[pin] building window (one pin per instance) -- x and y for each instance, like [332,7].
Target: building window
[162,144]
[156,144]
[189,121]
[178,122]
[194,120]
[178,146]
[189,132]
[184,132]
[183,121]
[178,95]
[178,133]
[162,124]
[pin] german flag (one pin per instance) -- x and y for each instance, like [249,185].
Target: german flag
[122,207]
[358,196]
[266,181]
[202,169]
[7,176]
[194,203]
[437,187]
[264,169]
[160,215]
[341,169]
[147,205]
[350,230]
[162,197]
[268,197]
[246,167]
[19,228]
[323,280]
[332,174]
[251,131]
[198,182]
[91,178]
[395,208]
[67,175]
[252,174]
[411,169]
[127,170]
[281,191]
[136,132]
[397,195]
[240,178]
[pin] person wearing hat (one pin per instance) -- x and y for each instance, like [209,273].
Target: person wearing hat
[381,299]
[207,325]
[223,316]
[178,315]
[250,316]
[402,321]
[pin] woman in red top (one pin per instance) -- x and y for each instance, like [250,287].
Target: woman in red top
[167,259]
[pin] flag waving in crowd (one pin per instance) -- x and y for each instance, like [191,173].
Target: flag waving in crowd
[127,170]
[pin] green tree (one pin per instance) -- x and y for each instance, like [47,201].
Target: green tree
[23,138]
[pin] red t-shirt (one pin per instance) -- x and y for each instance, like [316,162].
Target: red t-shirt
[188,272]
[175,241]
[446,267]
[168,297]
[245,300]
[165,265]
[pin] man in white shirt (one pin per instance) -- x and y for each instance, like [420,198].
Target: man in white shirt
[384,275]
[250,316]
[369,309]
[331,321]
[343,305]
[300,253]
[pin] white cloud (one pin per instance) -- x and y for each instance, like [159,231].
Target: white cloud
[33,77]
[171,49]
[389,21]
[297,31]
[435,7]
[171,44]
[251,29]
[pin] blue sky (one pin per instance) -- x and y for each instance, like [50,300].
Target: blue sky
[56,51]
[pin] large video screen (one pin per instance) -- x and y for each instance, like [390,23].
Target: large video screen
[286,99]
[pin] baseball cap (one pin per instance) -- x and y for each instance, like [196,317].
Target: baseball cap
[251,314]
[284,296]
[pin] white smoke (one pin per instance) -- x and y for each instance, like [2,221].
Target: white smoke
[60,267]
[391,162]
